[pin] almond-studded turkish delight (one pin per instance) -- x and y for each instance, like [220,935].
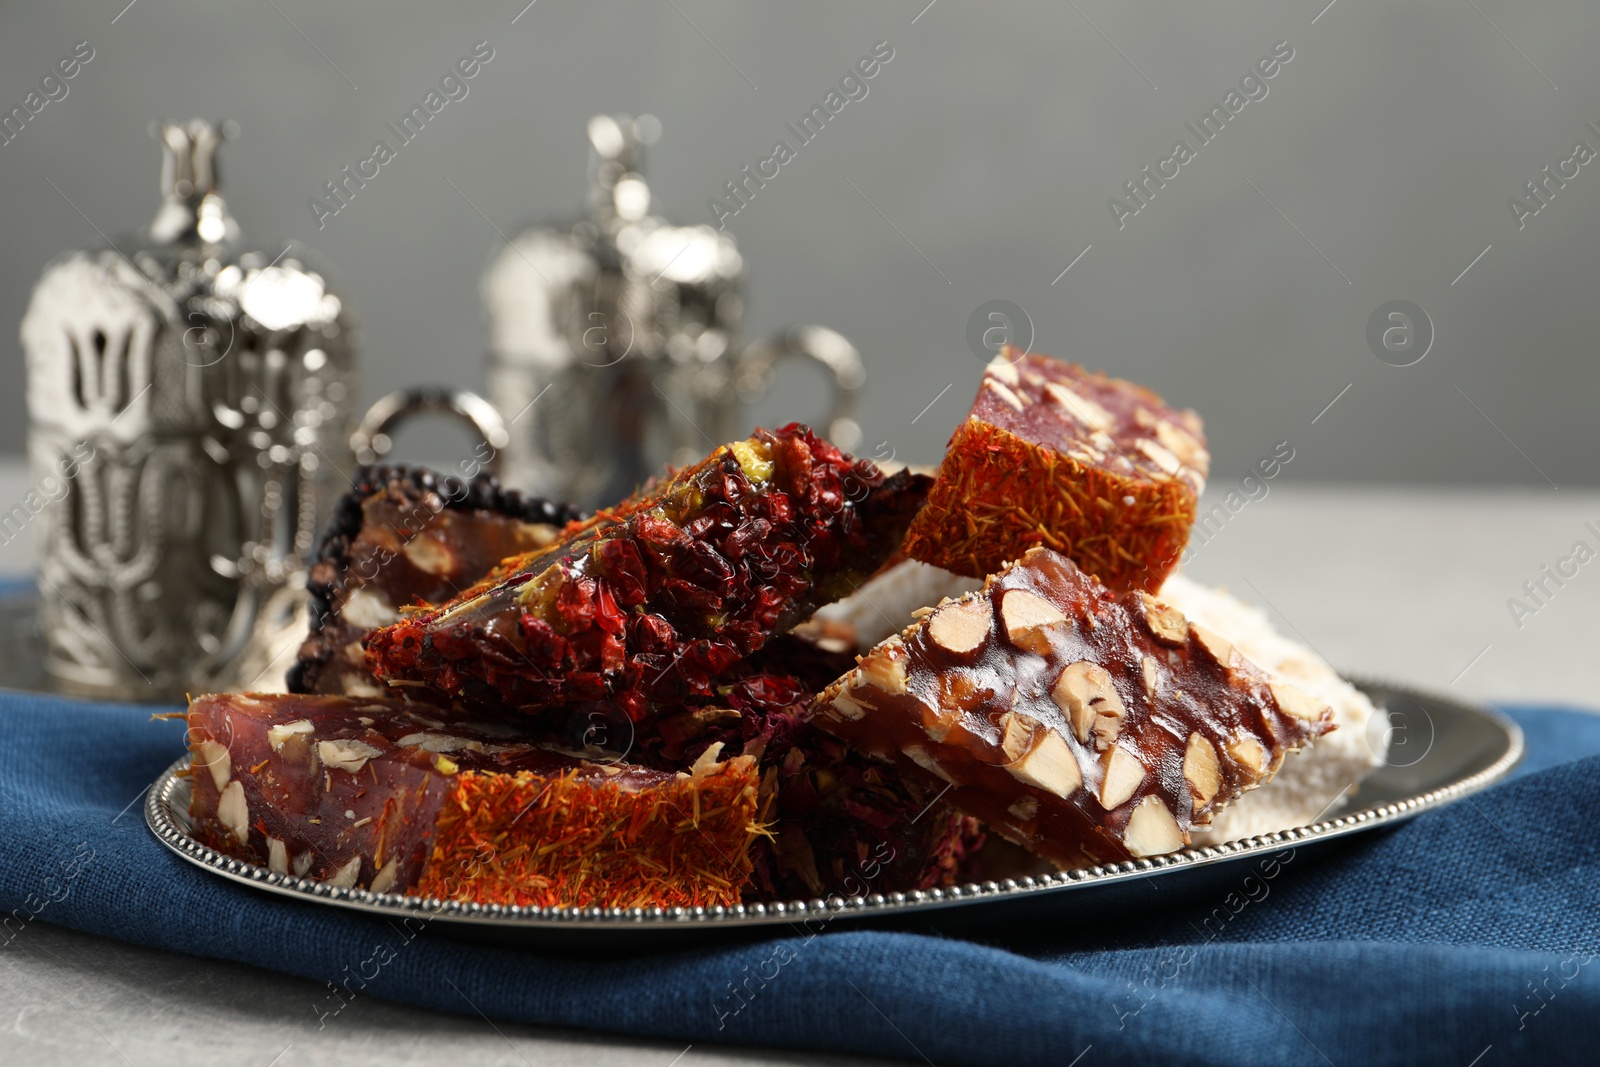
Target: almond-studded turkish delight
[381,796]
[1089,726]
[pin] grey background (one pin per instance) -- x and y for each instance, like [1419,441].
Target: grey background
[991,141]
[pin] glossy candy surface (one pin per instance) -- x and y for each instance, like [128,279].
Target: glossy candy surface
[652,603]
[403,536]
[1088,726]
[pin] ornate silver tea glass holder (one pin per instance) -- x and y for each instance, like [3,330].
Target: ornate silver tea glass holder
[192,393]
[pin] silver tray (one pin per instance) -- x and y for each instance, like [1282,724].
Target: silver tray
[1464,748]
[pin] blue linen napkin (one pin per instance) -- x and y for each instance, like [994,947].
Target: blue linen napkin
[1466,936]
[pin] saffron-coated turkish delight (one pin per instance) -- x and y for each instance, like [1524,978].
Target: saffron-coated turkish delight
[381,796]
[1052,455]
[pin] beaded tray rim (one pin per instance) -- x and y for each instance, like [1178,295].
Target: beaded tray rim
[166,814]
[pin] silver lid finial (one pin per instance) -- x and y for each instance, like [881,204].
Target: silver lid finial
[192,208]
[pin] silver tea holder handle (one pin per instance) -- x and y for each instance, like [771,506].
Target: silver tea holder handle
[753,375]
[758,364]
[373,438]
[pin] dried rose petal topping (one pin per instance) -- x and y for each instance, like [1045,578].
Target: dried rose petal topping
[1097,468]
[402,536]
[378,795]
[654,601]
[1086,725]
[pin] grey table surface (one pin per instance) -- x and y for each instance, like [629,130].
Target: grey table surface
[1411,584]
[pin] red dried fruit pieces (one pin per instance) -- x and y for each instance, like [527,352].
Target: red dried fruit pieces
[847,824]
[652,602]
[841,823]
[380,795]
[1088,726]
[1052,455]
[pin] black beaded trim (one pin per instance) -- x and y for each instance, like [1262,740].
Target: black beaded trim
[482,493]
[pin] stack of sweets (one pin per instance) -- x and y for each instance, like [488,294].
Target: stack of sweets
[810,521]
[468,644]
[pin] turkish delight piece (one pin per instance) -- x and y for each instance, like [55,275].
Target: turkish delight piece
[380,795]
[841,823]
[1088,726]
[1097,468]
[1318,780]
[400,536]
[846,824]
[654,601]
